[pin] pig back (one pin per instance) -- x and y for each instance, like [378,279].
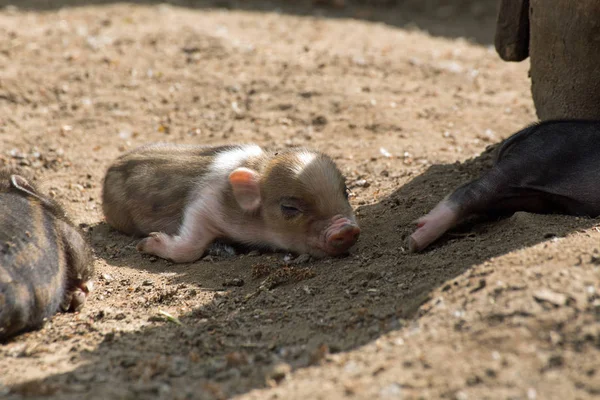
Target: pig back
[560,158]
[32,264]
[147,189]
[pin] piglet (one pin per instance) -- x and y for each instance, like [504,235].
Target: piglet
[549,167]
[45,263]
[183,197]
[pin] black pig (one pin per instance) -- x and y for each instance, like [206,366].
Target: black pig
[549,167]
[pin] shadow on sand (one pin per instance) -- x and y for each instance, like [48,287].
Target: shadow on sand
[233,344]
[471,19]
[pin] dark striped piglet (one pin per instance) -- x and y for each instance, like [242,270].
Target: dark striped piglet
[45,263]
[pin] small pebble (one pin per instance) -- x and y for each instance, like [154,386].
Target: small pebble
[558,299]
[120,316]
[234,282]
[319,120]
[302,259]
[362,183]
[279,372]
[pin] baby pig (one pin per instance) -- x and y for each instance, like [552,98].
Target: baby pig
[184,197]
[45,263]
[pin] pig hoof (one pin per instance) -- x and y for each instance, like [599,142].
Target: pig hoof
[78,300]
[153,244]
[425,234]
[422,237]
[413,246]
[65,305]
[433,225]
[74,300]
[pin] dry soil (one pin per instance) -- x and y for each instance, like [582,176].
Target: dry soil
[406,96]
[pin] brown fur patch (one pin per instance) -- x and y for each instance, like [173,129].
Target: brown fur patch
[147,189]
[39,244]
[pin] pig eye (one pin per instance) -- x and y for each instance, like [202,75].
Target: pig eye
[290,211]
[292,207]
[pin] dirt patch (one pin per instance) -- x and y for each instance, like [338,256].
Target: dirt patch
[496,309]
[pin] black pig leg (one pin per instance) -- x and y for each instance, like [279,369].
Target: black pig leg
[468,199]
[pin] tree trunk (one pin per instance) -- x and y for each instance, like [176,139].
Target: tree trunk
[512,30]
[564,50]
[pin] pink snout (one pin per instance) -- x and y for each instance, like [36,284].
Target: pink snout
[341,235]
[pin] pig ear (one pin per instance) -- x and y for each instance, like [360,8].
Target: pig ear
[246,188]
[20,183]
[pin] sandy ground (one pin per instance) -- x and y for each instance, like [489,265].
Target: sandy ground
[503,309]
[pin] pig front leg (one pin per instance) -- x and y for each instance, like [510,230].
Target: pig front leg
[479,196]
[75,298]
[179,249]
[433,225]
[192,240]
